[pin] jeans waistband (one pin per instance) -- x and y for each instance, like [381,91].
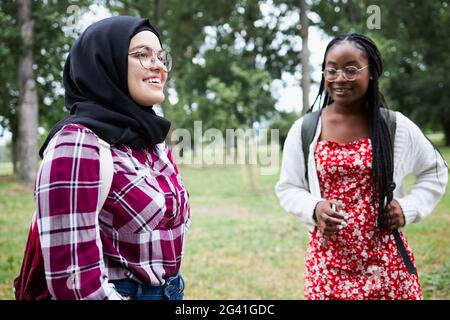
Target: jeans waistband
[170,290]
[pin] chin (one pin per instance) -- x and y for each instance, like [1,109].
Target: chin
[154,100]
[347,100]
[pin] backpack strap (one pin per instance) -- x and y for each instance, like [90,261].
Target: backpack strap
[311,120]
[390,119]
[309,127]
[391,123]
[106,169]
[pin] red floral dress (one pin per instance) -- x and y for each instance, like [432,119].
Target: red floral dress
[358,261]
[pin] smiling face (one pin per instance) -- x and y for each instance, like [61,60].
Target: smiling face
[341,90]
[146,86]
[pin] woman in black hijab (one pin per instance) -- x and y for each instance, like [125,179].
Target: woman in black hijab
[96,87]
[130,246]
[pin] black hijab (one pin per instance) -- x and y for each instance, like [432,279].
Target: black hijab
[96,87]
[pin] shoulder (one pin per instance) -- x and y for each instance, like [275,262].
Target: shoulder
[294,132]
[73,140]
[296,127]
[163,147]
[72,155]
[75,129]
[406,125]
[305,124]
[409,138]
[402,119]
[293,142]
[164,152]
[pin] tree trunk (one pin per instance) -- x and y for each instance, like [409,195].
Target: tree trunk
[28,102]
[305,55]
[351,12]
[253,160]
[14,152]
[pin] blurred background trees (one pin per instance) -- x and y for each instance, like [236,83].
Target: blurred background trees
[227,55]
[414,40]
[32,73]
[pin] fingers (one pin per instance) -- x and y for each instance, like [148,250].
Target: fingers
[396,222]
[339,215]
[336,210]
[331,217]
[396,218]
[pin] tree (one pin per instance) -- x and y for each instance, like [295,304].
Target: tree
[283,122]
[54,31]
[9,59]
[206,38]
[306,80]
[28,102]
[414,39]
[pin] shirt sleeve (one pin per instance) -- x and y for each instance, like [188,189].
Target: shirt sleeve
[429,168]
[292,189]
[67,197]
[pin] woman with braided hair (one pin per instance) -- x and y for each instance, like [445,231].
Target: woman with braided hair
[349,190]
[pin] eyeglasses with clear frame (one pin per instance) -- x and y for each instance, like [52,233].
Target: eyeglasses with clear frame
[350,73]
[147,58]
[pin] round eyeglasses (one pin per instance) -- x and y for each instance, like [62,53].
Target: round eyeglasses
[350,73]
[147,57]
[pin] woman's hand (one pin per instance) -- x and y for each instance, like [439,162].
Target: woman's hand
[329,220]
[396,218]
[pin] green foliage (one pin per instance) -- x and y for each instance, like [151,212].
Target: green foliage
[283,121]
[50,47]
[225,57]
[9,56]
[414,40]
[53,38]
[226,53]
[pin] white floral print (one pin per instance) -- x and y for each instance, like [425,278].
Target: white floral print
[359,261]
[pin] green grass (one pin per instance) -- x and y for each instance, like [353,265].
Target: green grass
[241,244]
[16,210]
[5,168]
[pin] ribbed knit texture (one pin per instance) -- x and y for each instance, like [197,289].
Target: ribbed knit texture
[413,155]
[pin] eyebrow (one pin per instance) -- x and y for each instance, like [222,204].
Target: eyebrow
[347,63]
[144,46]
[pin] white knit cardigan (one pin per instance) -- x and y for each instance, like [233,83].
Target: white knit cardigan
[413,155]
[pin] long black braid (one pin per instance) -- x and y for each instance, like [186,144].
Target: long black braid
[382,157]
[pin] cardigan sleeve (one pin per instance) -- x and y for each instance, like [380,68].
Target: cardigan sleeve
[429,168]
[292,189]
[67,194]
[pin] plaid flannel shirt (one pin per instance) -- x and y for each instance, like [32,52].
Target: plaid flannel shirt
[138,233]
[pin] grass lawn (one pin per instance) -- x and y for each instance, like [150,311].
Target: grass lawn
[241,244]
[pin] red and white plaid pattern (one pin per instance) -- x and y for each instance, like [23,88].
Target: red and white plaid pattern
[139,232]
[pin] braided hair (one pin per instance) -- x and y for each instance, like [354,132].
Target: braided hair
[382,157]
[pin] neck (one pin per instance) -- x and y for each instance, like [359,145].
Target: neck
[355,108]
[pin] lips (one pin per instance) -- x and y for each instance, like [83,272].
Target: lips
[341,91]
[153,81]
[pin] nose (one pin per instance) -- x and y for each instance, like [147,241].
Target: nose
[158,65]
[340,77]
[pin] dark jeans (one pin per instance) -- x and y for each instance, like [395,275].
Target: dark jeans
[171,290]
